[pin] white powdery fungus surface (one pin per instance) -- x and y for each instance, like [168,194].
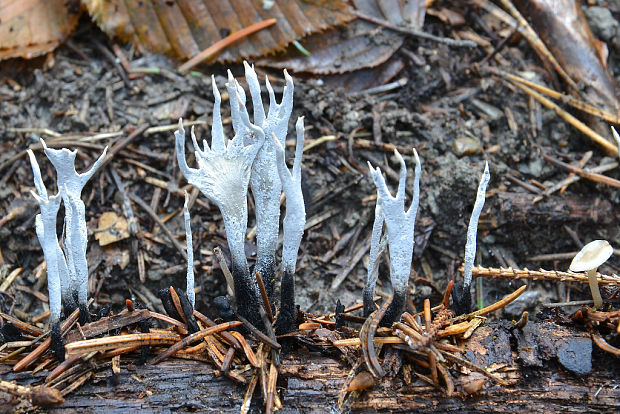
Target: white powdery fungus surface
[295,218]
[400,224]
[224,169]
[472,229]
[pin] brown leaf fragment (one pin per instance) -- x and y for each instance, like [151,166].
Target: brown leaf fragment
[30,28]
[359,45]
[111,228]
[46,396]
[184,28]
[361,382]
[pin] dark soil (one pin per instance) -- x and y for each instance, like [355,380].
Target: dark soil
[78,92]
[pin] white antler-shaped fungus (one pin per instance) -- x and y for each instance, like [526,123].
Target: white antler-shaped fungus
[45,225]
[373,266]
[294,223]
[223,176]
[191,295]
[70,184]
[400,230]
[462,298]
[265,179]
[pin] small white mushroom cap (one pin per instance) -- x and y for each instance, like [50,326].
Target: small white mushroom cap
[591,256]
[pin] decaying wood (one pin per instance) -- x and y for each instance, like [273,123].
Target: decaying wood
[519,209]
[311,382]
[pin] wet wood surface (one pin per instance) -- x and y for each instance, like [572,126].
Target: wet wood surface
[537,362]
[313,383]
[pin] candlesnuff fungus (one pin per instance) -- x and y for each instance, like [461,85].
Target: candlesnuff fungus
[294,223]
[191,295]
[67,273]
[57,274]
[222,176]
[400,230]
[461,296]
[265,180]
[47,221]
[373,266]
[70,184]
[591,256]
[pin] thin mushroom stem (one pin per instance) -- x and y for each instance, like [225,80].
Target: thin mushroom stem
[594,289]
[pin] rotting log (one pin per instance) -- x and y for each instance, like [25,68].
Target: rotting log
[520,209]
[311,382]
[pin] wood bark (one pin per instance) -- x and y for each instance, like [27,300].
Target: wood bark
[310,383]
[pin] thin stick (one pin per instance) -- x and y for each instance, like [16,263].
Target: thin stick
[246,349]
[378,340]
[111,342]
[590,133]
[227,275]
[597,178]
[34,355]
[530,34]
[176,301]
[165,318]
[193,338]
[541,274]
[415,32]
[367,335]
[263,293]
[225,335]
[157,220]
[116,148]
[217,47]
[271,388]
[258,334]
[472,366]
[602,343]
[247,398]
[582,106]
[492,308]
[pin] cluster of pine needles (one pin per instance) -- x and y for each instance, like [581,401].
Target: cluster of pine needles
[424,344]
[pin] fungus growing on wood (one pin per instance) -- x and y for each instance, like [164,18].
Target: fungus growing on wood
[589,258]
[265,180]
[294,222]
[223,176]
[191,295]
[67,272]
[57,274]
[400,230]
[461,295]
[70,184]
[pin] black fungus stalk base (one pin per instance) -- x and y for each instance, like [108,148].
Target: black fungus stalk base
[461,299]
[57,344]
[267,270]
[84,314]
[246,296]
[369,303]
[186,307]
[287,320]
[396,309]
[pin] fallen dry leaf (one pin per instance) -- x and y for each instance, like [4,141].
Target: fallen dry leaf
[114,256]
[184,28]
[29,28]
[359,45]
[111,228]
